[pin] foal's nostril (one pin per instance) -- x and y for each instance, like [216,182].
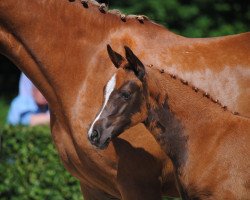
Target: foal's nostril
[95,136]
[107,140]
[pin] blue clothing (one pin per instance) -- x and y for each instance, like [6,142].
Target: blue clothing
[21,110]
[25,86]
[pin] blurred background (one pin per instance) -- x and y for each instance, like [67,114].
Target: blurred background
[29,165]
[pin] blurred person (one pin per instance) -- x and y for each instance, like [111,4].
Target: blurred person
[29,107]
[25,86]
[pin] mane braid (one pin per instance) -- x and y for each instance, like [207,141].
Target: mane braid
[195,89]
[104,9]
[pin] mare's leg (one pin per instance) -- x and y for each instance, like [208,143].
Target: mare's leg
[95,194]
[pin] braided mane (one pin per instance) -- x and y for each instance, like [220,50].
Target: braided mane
[195,89]
[104,9]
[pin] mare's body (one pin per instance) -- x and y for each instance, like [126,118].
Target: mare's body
[59,45]
[207,144]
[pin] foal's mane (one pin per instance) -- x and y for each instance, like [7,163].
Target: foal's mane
[195,89]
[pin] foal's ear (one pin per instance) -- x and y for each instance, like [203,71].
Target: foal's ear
[134,63]
[115,57]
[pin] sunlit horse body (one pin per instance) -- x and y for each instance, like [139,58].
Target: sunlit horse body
[61,46]
[208,145]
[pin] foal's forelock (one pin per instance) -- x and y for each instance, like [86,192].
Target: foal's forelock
[108,90]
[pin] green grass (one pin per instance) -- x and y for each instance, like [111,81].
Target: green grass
[4,108]
[31,166]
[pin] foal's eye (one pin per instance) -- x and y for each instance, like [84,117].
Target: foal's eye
[125,95]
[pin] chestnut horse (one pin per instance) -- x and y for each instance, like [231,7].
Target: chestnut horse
[61,47]
[208,145]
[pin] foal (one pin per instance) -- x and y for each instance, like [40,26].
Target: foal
[208,145]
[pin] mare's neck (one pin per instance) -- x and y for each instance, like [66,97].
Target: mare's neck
[49,32]
[48,39]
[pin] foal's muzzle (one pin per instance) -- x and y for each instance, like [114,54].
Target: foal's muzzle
[99,138]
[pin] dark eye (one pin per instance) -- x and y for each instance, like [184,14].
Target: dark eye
[125,95]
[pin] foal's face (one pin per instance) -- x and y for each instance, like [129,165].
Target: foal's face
[124,106]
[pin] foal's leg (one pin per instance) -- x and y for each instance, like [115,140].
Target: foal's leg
[95,194]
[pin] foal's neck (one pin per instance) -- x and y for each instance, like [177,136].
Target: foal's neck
[179,116]
[168,132]
[181,120]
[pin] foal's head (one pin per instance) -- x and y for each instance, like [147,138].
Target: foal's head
[124,99]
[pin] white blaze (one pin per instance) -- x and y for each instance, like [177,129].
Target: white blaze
[108,90]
